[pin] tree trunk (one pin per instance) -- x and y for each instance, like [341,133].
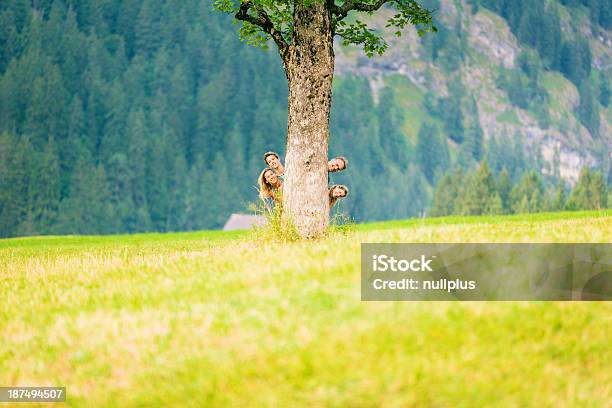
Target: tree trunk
[309,67]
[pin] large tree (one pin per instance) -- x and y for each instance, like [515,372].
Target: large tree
[303,31]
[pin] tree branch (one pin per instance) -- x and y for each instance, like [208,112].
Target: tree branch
[262,21]
[348,5]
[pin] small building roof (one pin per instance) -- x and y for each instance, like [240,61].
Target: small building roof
[243,222]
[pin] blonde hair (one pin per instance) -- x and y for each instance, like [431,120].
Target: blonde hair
[267,190]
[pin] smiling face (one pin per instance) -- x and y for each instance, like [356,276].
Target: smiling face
[271,177]
[338,192]
[272,161]
[335,164]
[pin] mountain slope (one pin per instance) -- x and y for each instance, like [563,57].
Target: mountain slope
[486,43]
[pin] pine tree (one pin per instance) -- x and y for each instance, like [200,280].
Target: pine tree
[479,195]
[588,111]
[137,148]
[604,90]
[162,148]
[87,209]
[474,135]
[517,162]
[45,112]
[590,193]
[391,121]
[528,195]
[117,110]
[559,199]
[446,194]
[176,218]
[199,196]
[431,152]
[9,37]
[44,190]
[493,155]
[504,188]
[16,184]
[120,191]
[576,60]
[430,103]
[146,33]
[453,116]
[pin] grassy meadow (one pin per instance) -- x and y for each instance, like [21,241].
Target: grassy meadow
[236,319]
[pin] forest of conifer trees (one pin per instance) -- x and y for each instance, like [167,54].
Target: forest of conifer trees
[150,115]
[126,116]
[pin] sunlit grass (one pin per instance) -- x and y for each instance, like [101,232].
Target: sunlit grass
[224,319]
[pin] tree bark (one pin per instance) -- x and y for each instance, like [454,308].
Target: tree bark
[309,67]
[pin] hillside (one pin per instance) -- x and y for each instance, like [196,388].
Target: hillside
[478,43]
[218,319]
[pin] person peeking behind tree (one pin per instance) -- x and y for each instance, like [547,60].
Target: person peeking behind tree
[336,192]
[270,188]
[272,159]
[337,164]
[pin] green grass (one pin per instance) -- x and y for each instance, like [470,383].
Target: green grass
[557,86]
[222,319]
[508,116]
[554,81]
[410,98]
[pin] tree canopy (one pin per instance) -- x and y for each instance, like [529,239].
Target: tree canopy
[264,20]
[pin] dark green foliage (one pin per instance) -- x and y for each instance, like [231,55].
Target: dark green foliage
[474,4]
[588,111]
[44,191]
[448,46]
[505,153]
[600,11]
[576,59]
[474,135]
[604,90]
[432,152]
[535,23]
[391,121]
[87,209]
[126,116]
[17,163]
[590,192]
[446,194]
[452,112]
[524,87]
[480,192]
[382,185]
[504,189]
[529,195]
[559,200]
[106,107]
